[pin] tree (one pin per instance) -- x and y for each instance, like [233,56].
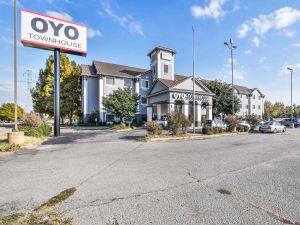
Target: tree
[42,94]
[222,101]
[121,103]
[7,112]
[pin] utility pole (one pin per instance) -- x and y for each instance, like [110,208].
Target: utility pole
[15,67]
[28,76]
[231,46]
[194,103]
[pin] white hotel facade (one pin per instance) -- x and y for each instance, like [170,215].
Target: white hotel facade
[161,90]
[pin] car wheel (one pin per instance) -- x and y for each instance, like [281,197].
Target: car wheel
[262,131]
[284,130]
[275,131]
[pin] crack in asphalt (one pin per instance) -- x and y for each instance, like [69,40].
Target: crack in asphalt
[109,165]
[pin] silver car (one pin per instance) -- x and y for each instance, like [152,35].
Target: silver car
[272,127]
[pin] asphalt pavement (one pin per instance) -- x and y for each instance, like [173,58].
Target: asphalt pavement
[167,183]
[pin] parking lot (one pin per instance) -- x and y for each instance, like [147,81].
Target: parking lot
[244,179]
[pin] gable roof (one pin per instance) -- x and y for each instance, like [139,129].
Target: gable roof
[116,69]
[88,70]
[161,48]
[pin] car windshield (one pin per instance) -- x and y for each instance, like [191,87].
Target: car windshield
[268,123]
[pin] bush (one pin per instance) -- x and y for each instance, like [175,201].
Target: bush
[93,116]
[242,128]
[121,126]
[178,123]
[153,128]
[232,123]
[253,119]
[32,119]
[44,130]
[212,130]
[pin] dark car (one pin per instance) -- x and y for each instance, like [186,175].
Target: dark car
[289,122]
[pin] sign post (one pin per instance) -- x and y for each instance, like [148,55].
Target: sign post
[50,33]
[56,92]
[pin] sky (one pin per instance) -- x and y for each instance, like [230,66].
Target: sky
[266,33]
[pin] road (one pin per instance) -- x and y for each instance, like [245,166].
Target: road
[168,183]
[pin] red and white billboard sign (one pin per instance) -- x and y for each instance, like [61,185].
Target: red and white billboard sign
[47,32]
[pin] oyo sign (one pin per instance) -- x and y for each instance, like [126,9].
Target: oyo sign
[47,32]
[186,96]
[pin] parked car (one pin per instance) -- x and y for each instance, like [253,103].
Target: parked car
[163,122]
[289,122]
[245,123]
[216,123]
[272,127]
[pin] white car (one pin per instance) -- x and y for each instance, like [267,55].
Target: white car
[245,123]
[163,122]
[272,127]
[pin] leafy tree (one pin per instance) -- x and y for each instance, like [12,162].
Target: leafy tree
[122,103]
[222,101]
[7,112]
[42,94]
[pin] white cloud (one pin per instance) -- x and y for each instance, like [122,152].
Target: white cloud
[255,41]
[248,52]
[278,20]
[262,59]
[91,33]
[236,6]
[297,45]
[288,33]
[239,74]
[243,30]
[60,15]
[6,87]
[213,9]
[127,21]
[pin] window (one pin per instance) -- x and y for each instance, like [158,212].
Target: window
[259,107]
[247,106]
[127,83]
[153,68]
[253,97]
[259,97]
[144,101]
[110,81]
[253,106]
[247,96]
[166,69]
[145,84]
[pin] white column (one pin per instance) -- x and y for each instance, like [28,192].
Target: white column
[185,110]
[158,111]
[137,91]
[250,105]
[149,113]
[101,94]
[171,107]
[209,112]
[198,115]
[85,97]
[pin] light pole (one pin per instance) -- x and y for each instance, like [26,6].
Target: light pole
[231,46]
[194,112]
[292,111]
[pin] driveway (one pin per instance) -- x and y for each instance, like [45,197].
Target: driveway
[168,183]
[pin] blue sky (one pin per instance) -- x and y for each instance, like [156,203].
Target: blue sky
[266,32]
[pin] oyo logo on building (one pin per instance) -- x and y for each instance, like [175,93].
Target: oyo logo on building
[186,96]
[44,31]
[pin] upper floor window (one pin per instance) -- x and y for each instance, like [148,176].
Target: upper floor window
[110,80]
[127,83]
[259,107]
[259,97]
[166,69]
[253,106]
[247,107]
[145,84]
[253,97]
[144,101]
[153,68]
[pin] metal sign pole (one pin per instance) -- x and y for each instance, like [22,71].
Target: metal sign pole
[56,92]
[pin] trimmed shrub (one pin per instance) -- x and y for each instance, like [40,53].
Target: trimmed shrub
[242,128]
[121,126]
[212,130]
[93,116]
[232,123]
[44,130]
[153,128]
[32,119]
[178,123]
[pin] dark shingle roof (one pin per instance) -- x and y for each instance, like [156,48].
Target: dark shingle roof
[87,70]
[117,70]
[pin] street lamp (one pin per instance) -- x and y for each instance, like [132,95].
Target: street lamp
[291,70]
[231,46]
